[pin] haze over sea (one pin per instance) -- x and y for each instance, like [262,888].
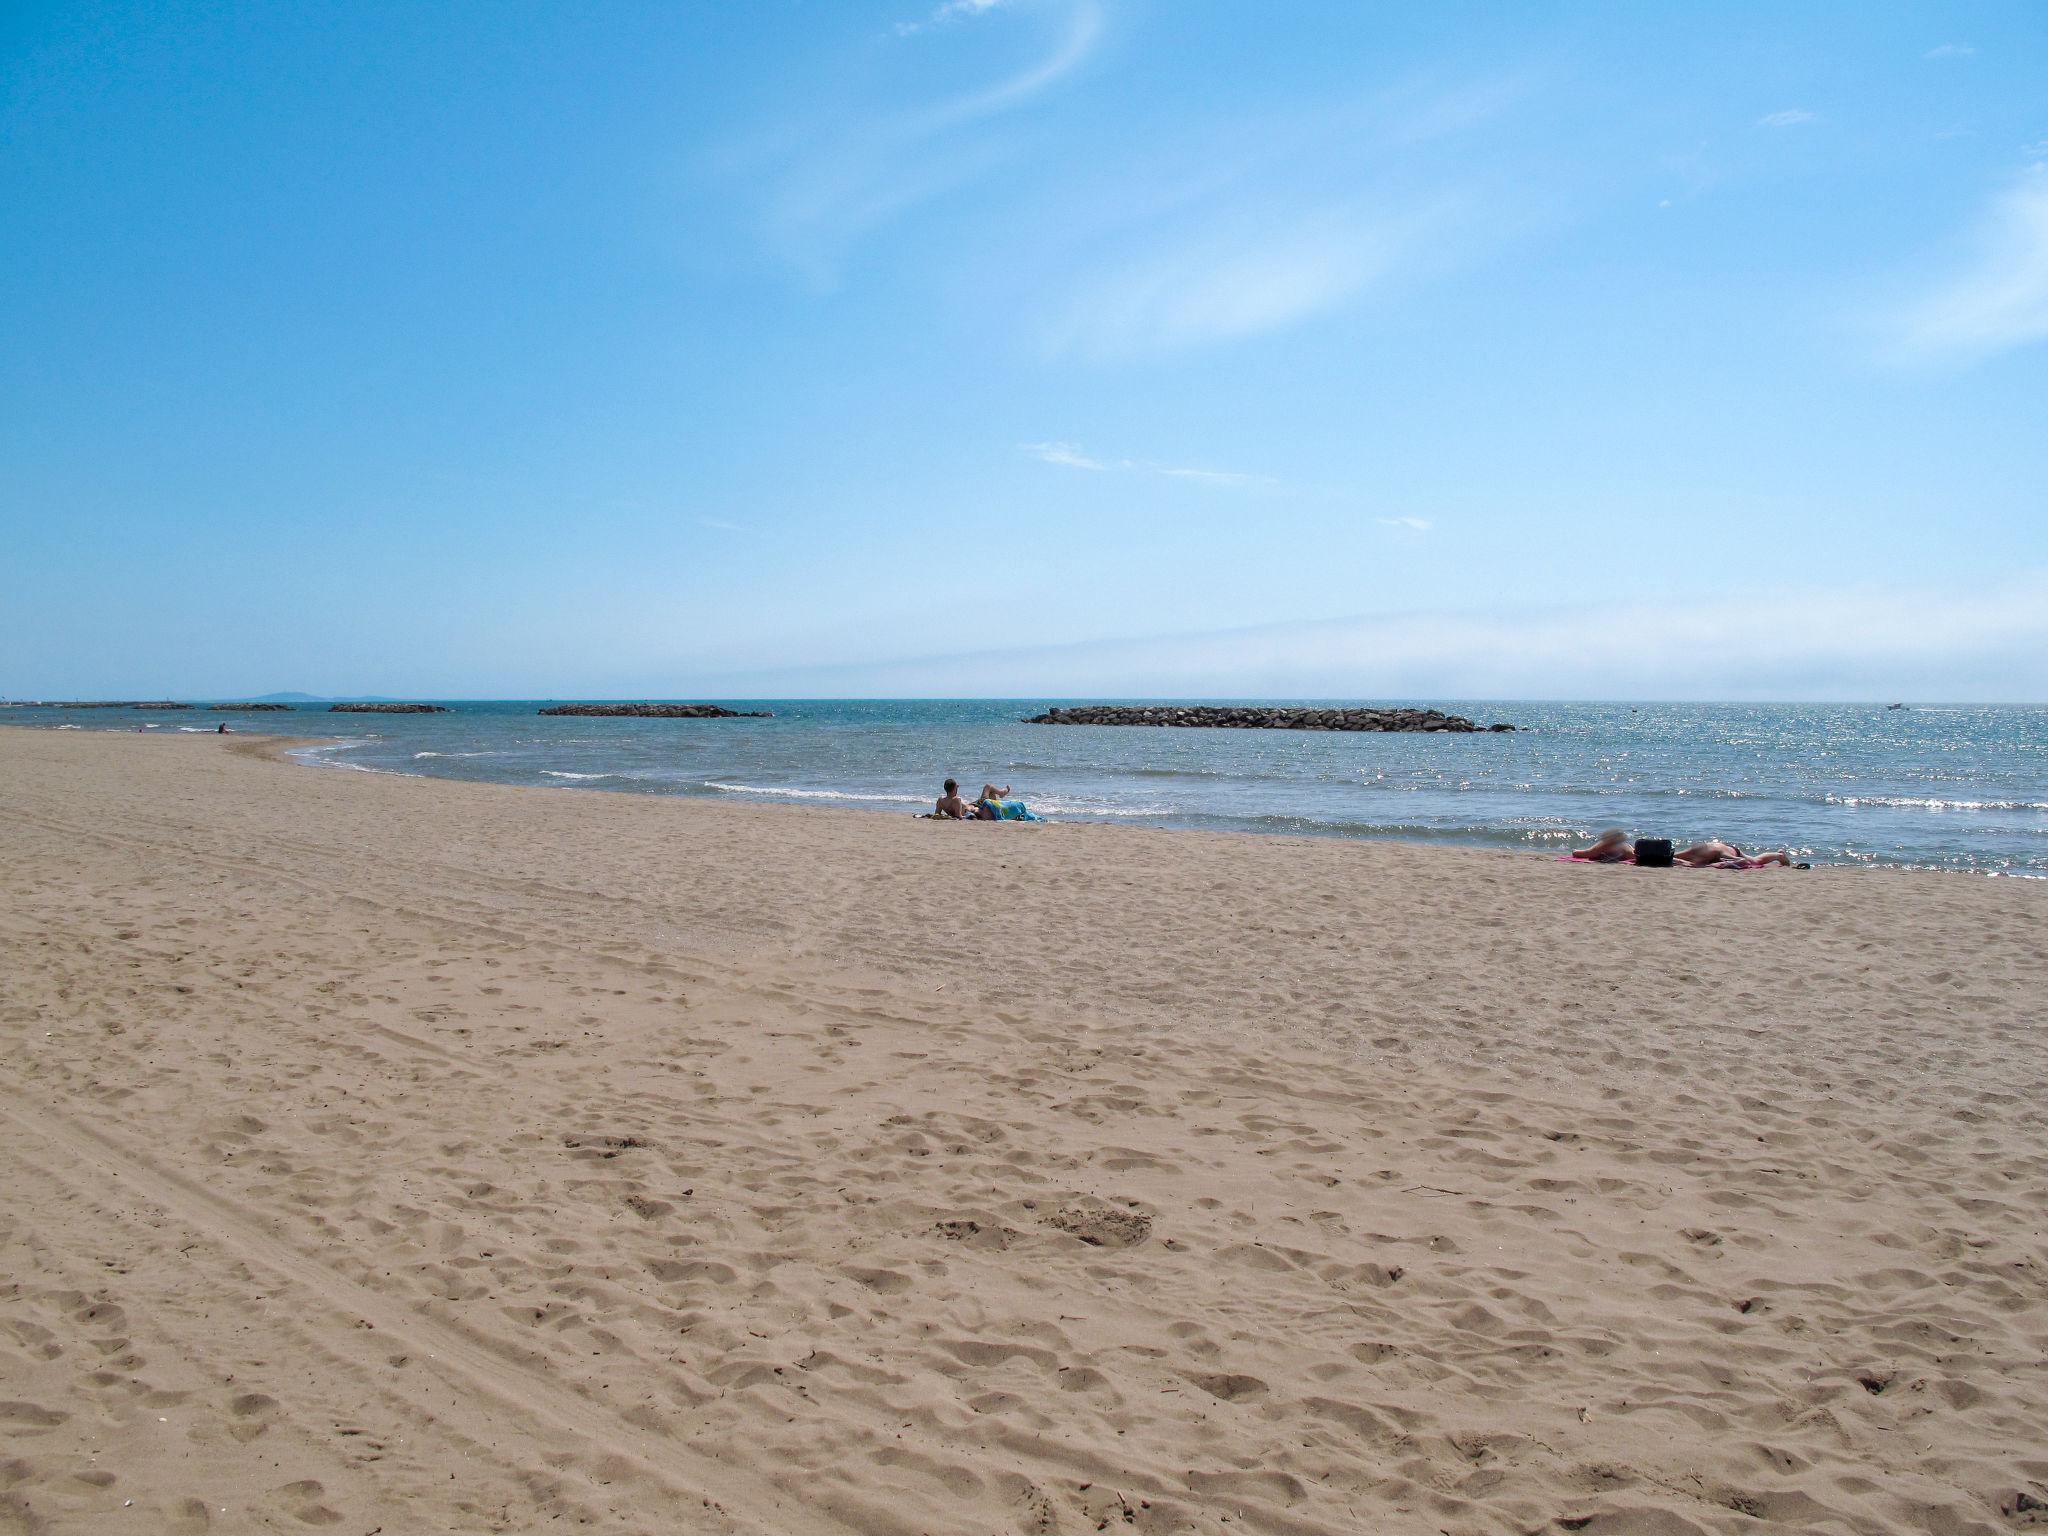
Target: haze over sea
[1957,787]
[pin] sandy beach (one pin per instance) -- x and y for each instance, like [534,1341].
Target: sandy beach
[402,1155]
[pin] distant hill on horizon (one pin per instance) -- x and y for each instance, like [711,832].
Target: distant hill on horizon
[315,698]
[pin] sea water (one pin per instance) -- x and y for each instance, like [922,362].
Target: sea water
[1960,787]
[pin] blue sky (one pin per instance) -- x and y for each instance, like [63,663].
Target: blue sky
[1034,346]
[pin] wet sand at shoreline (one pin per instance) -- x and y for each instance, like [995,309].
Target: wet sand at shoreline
[452,1157]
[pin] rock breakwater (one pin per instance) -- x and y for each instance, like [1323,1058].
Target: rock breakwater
[387,709]
[1259,717]
[659,711]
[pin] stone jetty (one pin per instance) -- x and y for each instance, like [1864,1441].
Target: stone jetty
[117,704]
[1261,717]
[387,709]
[659,711]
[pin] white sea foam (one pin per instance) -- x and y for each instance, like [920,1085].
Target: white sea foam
[557,773]
[418,755]
[815,794]
[1068,808]
[1934,803]
[322,755]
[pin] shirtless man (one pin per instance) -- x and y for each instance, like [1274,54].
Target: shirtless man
[951,806]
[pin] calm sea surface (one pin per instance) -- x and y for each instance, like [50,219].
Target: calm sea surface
[1961,787]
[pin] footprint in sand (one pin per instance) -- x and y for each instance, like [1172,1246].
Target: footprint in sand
[302,1502]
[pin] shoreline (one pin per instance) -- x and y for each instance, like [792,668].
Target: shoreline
[284,754]
[446,1156]
[1562,783]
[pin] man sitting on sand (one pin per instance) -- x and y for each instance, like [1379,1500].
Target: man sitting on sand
[951,806]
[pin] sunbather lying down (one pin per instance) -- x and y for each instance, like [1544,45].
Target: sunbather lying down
[1613,847]
[1716,854]
[1610,847]
[996,805]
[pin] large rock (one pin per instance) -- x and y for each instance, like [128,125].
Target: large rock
[1260,717]
[387,709]
[659,711]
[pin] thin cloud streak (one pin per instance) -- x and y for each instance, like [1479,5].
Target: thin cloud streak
[1243,280]
[1411,524]
[826,184]
[1066,455]
[1260,227]
[1986,644]
[1950,51]
[952,10]
[2001,300]
[1071,456]
[1791,117]
[1084,31]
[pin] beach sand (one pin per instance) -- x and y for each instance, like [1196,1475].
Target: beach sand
[405,1155]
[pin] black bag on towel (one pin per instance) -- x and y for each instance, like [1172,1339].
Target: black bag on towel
[1653,853]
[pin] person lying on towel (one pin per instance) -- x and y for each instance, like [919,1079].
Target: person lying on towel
[1714,853]
[996,805]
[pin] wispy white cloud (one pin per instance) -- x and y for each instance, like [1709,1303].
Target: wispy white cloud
[1989,642]
[1066,455]
[1950,51]
[1071,456]
[2000,298]
[1248,228]
[1077,42]
[824,182]
[1410,524]
[1239,280]
[952,10]
[721,525]
[1791,117]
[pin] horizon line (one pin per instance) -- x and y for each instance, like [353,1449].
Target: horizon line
[203,700]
